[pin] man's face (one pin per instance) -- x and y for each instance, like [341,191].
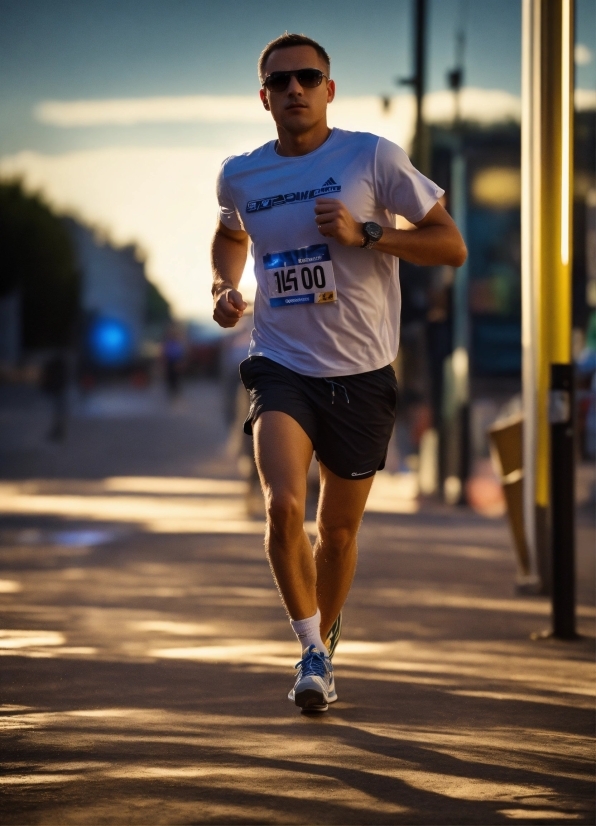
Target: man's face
[296,109]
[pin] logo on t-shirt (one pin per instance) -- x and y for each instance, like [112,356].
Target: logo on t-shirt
[329,187]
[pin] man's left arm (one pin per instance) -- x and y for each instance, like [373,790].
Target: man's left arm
[435,240]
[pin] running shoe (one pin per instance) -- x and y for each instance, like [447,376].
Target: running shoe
[314,688]
[333,636]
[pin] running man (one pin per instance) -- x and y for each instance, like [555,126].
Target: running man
[318,206]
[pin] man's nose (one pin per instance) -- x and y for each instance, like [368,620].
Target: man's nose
[294,87]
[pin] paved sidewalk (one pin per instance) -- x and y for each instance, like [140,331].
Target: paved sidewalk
[147,659]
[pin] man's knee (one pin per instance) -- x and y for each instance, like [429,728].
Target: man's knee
[336,539]
[285,511]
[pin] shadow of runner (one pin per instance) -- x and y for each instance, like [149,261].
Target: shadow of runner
[98,741]
[144,679]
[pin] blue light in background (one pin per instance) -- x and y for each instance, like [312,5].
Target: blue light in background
[110,342]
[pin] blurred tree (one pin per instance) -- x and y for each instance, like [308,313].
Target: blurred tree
[37,259]
[158,308]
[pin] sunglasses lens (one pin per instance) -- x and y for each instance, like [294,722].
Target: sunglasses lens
[278,81]
[307,78]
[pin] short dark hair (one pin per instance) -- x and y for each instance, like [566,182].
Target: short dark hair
[285,41]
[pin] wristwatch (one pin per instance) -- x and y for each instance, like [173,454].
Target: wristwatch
[372,233]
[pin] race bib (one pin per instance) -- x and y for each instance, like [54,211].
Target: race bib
[303,276]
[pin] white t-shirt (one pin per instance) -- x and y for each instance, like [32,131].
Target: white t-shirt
[322,308]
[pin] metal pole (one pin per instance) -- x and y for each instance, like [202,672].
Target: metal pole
[420,149]
[547,164]
[530,265]
[460,359]
[563,501]
[420,74]
[561,406]
[459,363]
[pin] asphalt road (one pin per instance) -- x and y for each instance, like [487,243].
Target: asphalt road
[146,658]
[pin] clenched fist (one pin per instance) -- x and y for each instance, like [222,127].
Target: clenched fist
[334,221]
[229,308]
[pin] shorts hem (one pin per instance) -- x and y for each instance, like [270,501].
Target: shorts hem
[254,414]
[351,476]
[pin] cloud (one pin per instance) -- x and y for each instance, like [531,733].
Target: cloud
[483,105]
[360,113]
[583,55]
[585,100]
[134,111]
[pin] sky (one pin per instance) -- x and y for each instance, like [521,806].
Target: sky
[121,112]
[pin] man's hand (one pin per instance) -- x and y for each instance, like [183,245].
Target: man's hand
[229,308]
[335,221]
[228,257]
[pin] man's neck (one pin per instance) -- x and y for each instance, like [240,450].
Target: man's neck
[292,145]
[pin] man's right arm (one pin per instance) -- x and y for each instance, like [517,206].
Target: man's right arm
[228,257]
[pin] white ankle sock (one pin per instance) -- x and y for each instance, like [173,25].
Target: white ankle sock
[308,632]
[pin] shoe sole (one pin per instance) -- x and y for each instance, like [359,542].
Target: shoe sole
[311,700]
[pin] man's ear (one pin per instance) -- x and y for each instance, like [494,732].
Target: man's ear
[330,90]
[263,96]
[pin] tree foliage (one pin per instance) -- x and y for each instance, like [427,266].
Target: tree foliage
[37,258]
[158,307]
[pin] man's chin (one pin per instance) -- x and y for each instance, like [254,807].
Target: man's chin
[297,122]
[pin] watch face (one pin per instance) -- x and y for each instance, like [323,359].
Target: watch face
[373,231]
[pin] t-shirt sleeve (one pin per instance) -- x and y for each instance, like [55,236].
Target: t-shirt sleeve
[400,187]
[228,214]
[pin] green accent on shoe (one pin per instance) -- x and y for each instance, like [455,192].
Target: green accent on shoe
[333,636]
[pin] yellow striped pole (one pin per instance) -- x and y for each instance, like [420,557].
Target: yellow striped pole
[547,163]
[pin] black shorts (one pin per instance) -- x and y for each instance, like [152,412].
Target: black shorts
[349,419]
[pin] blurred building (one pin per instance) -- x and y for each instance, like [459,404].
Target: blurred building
[113,298]
[493,190]
[492,228]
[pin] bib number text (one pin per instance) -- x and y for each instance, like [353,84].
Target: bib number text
[303,276]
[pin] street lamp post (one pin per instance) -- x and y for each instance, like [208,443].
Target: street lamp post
[547,163]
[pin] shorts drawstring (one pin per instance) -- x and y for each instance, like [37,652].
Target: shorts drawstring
[333,383]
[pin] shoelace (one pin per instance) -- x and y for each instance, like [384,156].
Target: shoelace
[333,385]
[312,664]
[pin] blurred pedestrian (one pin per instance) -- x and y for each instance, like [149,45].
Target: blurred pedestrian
[173,358]
[236,409]
[586,368]
[54,383]
[234,348]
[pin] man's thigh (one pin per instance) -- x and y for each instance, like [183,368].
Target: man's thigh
[283,453]
[341,502]
[273,387]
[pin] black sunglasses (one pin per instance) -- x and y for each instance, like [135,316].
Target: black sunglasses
[307,78]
